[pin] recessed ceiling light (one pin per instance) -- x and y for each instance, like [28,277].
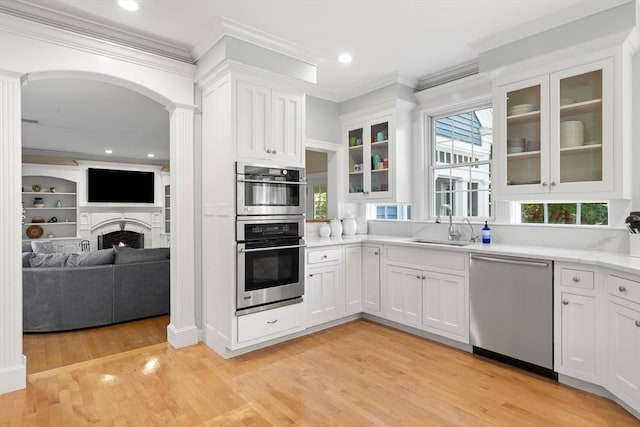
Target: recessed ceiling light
[108,151]
[151,155]
[345,58]
[130,5]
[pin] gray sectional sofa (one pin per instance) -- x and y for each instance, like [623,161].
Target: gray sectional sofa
[73,291]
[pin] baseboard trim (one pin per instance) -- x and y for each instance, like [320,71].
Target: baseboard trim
[182,337]
[13,378]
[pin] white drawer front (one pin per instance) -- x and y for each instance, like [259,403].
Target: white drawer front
[323,255]
[264,324]
[576,278]
[624,288]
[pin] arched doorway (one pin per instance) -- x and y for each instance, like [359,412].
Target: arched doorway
[182,330]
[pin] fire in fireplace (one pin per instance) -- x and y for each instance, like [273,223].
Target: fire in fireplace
[122,238]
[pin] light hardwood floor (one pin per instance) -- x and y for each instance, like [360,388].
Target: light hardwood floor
[53,350]
[356,374]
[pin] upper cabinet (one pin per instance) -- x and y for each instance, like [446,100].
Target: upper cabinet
[378,160]
[269,125]
[556,134]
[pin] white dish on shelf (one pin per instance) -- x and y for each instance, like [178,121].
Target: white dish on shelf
[521,109]
[594,142]
[515,149]
[571,133]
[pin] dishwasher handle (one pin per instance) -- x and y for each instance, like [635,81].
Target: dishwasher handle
[542,264]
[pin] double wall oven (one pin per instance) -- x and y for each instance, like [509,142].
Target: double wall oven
[270,240]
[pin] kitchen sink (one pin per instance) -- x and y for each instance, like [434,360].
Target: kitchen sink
[443,242]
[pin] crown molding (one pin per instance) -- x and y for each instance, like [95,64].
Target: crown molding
[226,27]
[88,26]
[451,74]
[570,14]
[44,32]
[384,81]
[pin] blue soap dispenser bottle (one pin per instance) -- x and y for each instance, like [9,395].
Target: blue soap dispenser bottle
[486,233]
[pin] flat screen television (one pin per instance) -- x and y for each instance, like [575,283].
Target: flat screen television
[120,186]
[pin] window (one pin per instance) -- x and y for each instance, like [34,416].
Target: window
[464,184]
[320,201]
[393,211]
[565,213]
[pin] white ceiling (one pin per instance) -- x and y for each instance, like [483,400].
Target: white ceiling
[407,38]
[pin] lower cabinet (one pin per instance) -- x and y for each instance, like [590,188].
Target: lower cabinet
[444,302]
[403,298]
[269,324]
[371,279]
[324,287]
[577,336]
[353,279]
[624,351]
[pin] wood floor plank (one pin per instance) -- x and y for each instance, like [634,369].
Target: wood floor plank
[356,374]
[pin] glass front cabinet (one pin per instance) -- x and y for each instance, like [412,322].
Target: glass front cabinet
[369,160]
[557,134]
[378,155]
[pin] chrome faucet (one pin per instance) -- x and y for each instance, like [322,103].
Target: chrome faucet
[453,233]
[474,237]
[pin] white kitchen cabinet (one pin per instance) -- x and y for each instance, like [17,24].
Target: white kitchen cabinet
[269,125]
[577,336]
[324,287]
[623,373]
[269,324]
[371,279]
[623,330]
[443,302]
[402,300]
[556,136]
[353,279]
[378,154]
[576,323]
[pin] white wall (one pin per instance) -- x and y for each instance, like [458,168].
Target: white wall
[322,122]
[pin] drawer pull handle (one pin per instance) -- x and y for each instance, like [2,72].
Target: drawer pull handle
[311,275]
[622,288]
[324,257]
[565,302]
[638,323]
[576,279]
[271,322]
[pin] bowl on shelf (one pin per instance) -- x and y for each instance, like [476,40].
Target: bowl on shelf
[521,109]
[516,145]
[37,219]
[38,205]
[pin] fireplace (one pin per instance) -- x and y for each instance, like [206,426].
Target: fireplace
[121,238]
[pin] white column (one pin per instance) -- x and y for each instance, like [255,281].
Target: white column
[13,372]
[182,330]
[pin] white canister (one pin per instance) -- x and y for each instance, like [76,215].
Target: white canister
[325,230]
[349,225]
[336,227]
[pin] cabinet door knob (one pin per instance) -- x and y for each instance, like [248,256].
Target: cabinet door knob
[576,279]
[638,323]
[311,275]
[274,152]
[424,277]
[553,183]
[544,183]
[269,150]
[271,322]
[565,302]
[375,253]
[622,288]
[418,277]
[324,257]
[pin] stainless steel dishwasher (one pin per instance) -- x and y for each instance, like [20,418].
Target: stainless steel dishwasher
[511,311]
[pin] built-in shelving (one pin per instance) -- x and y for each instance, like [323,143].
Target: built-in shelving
[60,222]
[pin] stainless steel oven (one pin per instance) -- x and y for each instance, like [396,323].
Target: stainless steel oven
[269,190]
[270,263]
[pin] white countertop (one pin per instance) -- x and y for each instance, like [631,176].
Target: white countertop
[614,260]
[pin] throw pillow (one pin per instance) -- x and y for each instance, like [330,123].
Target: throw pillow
[26,256]
[129,255]
[101,257]
[42,247]
[26,247]
[48,260]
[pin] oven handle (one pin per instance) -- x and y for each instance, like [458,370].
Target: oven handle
[271,248]
[266,181]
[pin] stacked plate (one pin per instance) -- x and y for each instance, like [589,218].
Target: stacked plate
[571,133]
[521,109]
[516,145]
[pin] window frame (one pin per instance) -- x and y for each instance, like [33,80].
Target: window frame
[432,156]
